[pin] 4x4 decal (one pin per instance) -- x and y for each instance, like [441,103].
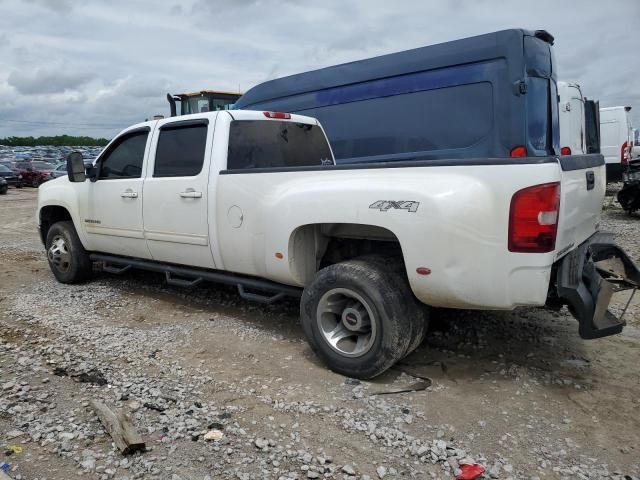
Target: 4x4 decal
[384,205]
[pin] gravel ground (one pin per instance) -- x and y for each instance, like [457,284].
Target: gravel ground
[221,388]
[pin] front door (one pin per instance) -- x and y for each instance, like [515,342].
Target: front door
[175,193]
[112,212]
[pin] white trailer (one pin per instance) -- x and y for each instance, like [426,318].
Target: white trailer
[615,139]
[572,119]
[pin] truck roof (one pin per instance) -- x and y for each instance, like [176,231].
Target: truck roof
[607,109]
[236,114]
[456,52]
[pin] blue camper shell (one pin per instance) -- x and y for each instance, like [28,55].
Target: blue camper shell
[479,97]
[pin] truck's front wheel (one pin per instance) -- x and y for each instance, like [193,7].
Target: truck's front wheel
[356,318]
[68,259]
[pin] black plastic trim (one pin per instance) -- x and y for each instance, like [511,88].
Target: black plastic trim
[453,162]
[544,36]
[585,291]
[185,123]
[216,276]
[580,162]
[134,131]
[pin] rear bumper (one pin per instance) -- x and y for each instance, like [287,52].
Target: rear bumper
[586,279]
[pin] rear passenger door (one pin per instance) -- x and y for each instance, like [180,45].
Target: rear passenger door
[175,193]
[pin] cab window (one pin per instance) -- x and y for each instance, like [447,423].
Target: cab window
[124,158]
[181,149]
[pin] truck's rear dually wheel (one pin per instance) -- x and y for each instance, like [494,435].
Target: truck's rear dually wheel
[358,317]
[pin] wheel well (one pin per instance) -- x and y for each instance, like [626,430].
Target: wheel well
[48,216]
[312,247]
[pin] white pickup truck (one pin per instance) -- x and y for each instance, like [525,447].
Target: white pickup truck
[254,199]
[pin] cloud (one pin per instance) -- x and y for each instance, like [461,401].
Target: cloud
[111,63]
[42,81]
[59,6]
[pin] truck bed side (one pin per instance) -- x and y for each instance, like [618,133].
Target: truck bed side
[458,229]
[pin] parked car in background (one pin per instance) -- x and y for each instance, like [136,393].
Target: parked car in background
[12,178]
[615,139]
[36,165]
[579,124]
[35,173]
[34,178]
[4,186]
[10,164]
[59,171]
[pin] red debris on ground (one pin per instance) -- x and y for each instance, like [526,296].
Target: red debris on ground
[470,472]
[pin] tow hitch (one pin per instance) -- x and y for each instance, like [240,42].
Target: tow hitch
[588,276]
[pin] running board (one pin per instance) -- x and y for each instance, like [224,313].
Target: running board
[181,276]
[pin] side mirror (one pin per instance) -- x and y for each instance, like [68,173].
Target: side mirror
[75,167]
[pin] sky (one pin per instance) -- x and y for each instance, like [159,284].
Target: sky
[93,67]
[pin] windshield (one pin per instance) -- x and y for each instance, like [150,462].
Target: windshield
[206,103]
[4,169]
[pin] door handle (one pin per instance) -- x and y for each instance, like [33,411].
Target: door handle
[129,194]
[190,193]
[591,180]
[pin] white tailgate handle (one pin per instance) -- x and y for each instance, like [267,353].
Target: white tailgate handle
[190,193]
[128,193]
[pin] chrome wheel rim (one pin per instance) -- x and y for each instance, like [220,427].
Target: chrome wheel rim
[346,322]
[59,255]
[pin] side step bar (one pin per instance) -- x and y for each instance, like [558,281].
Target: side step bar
[263,291]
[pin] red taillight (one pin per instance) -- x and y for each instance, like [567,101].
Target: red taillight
[278,115]
[519,152]
[565,151]
[624,159]
[533,218]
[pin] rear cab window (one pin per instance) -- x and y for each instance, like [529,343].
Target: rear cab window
[276,144]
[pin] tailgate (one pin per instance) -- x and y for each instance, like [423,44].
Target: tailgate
[582,190]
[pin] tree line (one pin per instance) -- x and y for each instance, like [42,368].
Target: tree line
[58,141]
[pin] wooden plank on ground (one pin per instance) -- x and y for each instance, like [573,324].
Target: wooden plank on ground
[123,433]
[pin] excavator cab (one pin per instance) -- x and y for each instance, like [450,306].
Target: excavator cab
[198,102]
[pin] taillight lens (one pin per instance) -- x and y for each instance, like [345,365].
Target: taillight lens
[533,218]
[624,159]
[520,151]
[278,115]
[565,151]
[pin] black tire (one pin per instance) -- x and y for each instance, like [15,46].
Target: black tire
[68,259]
[3,191]
[419,313]
[376,292]
[35,183]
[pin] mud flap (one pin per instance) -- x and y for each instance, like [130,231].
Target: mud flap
[586,279]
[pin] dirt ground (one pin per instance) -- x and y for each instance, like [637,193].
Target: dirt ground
[518,392]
